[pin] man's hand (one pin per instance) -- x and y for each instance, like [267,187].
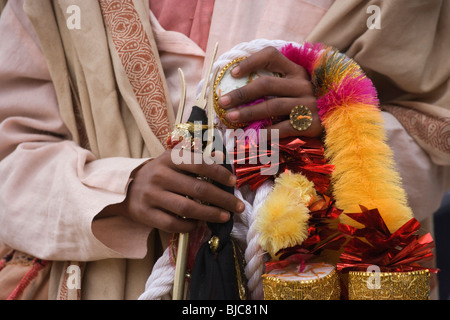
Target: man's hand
[292,88]
[158,195]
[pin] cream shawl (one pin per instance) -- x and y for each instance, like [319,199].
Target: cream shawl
[98,105]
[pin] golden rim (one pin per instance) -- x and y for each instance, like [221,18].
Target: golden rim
[303,282]
[219,110]
[325,288]
[390,274]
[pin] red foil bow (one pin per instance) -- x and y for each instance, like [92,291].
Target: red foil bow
[322,233]
[305,155]
[375,245]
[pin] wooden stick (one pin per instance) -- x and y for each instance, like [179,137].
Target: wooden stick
[180,267]
[183,238]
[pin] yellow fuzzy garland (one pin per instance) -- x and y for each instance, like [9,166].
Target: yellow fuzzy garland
[355,143]
[364,171]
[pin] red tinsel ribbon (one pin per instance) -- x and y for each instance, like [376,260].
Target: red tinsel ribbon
[375,245]
[322,234]
[305,155]
[196,239]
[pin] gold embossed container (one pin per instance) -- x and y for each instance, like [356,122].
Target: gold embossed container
[319,281]
[413,285]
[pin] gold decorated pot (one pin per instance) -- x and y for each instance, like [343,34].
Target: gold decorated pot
[412,285]
[318,281]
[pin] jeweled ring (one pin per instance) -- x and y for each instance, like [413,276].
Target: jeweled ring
[301,117]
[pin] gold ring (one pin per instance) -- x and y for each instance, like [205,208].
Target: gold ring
[300,117]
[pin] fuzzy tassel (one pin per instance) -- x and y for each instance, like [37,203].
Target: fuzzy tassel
[355,140]
[339,81]
[364,171]
[305,55]
[282,220]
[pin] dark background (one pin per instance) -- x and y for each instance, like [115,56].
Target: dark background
[442,240]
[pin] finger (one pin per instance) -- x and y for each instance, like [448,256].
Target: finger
[188,208]
[269,59]
[214,172]
[285,129]
[266,86]
[167,222]
[266,109]
[204,191]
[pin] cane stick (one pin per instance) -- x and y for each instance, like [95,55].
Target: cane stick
[183,238]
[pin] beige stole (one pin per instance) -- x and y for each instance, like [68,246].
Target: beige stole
[101,108]
[114,100]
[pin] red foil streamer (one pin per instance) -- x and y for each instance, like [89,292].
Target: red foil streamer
[305,155]
[323,235]
[196,238]
[375,245]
